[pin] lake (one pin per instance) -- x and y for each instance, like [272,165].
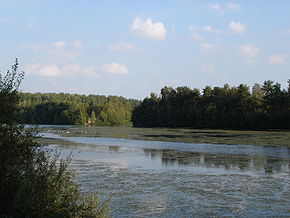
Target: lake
[150,178]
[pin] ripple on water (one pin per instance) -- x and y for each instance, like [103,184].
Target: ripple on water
[169,182]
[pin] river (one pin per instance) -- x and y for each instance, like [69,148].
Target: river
[171,179]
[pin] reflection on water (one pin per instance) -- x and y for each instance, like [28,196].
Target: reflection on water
[227,162]
[167,179]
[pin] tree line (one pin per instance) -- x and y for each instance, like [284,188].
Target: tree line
[266,106]
[74,109]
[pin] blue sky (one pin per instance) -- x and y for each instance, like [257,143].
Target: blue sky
[132,48]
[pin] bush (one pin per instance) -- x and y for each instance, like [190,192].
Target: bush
[34,182]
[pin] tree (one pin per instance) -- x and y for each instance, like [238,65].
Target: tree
[218,107]
[93,118]
[115,112]
[70,109]
[32,183]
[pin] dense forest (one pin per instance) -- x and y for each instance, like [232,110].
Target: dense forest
[266,106]
[71,109]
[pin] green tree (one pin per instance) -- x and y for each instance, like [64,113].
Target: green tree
[93,118]
[33,181]
[115,112]
[219,107]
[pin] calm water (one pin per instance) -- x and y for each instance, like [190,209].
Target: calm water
[168,179]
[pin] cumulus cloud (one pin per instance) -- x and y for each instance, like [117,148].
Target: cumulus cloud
[233,6]
[277,59]
[148,28]
[47,70]
[249,51]
[121,46]
[237,27]
[77,69]
[52,70]
[205,47]
[115,68]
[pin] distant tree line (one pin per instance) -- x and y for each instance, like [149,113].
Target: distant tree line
[72,109]
[266,106]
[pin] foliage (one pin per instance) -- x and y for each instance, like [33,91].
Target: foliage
[52,108]
[34,182]
[115,112]
[266,107]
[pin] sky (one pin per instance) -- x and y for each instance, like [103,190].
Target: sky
[131,48]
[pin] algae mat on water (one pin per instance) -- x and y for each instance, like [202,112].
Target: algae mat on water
[232,137]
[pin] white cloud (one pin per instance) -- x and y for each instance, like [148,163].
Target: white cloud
[222,9]
[195,37]
[65,49]
[90,71]
[52,70]
[233,6]
[115,68]
[207,29]
[192,27]
[63,54]
[217,8]
[148,28]
[121,46]
[49,70]
[31,68]
[250,51]
[60,44]
[73,68]
[210,29]
[77,69]
[77,44]
[277,59]
[205,47]
[237,27]
[59,50]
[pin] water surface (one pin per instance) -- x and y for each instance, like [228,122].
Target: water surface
[170,179]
